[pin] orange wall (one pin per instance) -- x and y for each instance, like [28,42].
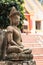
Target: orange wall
[27,16]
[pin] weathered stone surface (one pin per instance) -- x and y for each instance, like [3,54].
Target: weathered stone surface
[25,56]
[2,63]
[17,62]
[12,56]
[2,44]
[19,56]
[11,44]
[27,51]
[13,49]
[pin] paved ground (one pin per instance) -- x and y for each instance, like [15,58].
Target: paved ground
[35,42]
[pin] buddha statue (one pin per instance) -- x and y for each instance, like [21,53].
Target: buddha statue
[15,49]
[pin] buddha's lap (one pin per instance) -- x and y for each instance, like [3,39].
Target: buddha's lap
[15,49]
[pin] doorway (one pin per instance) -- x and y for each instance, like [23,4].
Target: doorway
[38,25]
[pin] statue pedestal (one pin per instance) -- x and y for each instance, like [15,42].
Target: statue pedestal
[31,62]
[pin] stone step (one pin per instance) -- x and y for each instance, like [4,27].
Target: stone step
[39,62]
[29,39]
[37,51]
[38,59]
[29,45]
[36,48]
[34,42]
[32,38]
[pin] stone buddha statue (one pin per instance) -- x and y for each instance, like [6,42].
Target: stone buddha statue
[15,49]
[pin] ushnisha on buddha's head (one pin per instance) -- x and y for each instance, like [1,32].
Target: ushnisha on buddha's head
[14,16]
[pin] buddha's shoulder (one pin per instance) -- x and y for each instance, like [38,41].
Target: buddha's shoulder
[9,27]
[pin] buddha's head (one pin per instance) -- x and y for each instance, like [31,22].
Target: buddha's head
[14,16]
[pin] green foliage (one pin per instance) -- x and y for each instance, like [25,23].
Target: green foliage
[5,7]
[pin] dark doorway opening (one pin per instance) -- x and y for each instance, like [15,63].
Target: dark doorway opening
[38,25]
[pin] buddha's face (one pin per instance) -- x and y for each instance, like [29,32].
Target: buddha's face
[15,19]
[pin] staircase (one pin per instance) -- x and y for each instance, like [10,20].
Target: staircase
[34,42]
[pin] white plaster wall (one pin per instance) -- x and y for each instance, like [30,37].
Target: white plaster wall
[33,24]
[34,18]
[42,25]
